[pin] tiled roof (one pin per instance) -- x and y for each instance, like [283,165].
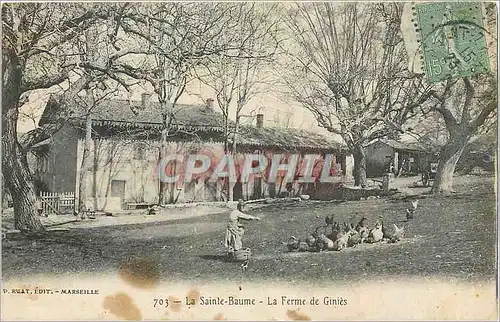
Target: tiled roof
[286,138]
[122,112]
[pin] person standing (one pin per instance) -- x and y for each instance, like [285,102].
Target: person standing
[235,229]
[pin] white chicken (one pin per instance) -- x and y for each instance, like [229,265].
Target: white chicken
[376,234]
[398,234]
[410,212]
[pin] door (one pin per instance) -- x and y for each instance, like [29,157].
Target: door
[118,190]
[189,191]
[257,188]
[238,191]
[210,190]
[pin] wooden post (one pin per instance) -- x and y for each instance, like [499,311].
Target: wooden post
[386,181]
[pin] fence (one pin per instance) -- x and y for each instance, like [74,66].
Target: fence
[56,202]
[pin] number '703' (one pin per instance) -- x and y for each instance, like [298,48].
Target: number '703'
[160,302]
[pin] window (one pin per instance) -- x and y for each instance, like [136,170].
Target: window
[118,189]
[340,159]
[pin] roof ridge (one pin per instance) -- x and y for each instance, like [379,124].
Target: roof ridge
[294,129]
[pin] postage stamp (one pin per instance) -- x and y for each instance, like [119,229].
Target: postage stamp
[249,161]
[453,39]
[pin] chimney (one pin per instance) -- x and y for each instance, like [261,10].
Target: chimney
[145,99]
[260,121]
[210,104]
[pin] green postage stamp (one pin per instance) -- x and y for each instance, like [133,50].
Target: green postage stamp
[453,39]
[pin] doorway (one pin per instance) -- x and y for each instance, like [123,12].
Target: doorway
[118,190]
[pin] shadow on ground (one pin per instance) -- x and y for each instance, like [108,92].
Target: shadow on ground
[220,258]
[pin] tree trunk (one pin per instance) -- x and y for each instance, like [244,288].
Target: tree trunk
[18,179]
[82,186]
[235,136]
[167,116]
[226,193]
[230,183]
[16,172]
[231,190]
[359,167]
[448,158]
[233,152]
[94,173]
[110,176]
[172,197]
[161,155]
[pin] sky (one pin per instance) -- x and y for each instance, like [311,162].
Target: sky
[278,112]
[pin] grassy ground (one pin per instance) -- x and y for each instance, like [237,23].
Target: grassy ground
[451,236]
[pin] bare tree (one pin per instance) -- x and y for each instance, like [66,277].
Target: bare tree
[284,119]
[92,46]
[348,66]
[93,96]
[35,55]
[464,106]
[467,107]
[237,76]
[40,50]
[178,37]
[237,79]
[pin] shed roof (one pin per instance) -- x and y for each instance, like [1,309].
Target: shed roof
[405,146]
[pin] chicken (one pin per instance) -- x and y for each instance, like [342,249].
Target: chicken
[311,241]
[354,238]
[329,220]
[326,242]
[362,223]
[344,239]
[375,234]
[335,231]
[320,243]
[293,244]
[303,247]
[329,244]
[341,242]
[387,234]
[363,232]
[414,204]
[398,234]
[409,214]
[411,210]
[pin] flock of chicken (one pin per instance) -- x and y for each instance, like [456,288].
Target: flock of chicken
[336,237]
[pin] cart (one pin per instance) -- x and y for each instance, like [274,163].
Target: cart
[429,174]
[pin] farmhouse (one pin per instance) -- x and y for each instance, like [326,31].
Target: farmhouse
[121,170]
[409,158]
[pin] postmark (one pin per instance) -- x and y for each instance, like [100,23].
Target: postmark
[453,40]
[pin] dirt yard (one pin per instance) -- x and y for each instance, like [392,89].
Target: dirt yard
[451,236]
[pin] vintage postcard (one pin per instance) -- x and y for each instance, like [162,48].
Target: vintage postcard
[249,161]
